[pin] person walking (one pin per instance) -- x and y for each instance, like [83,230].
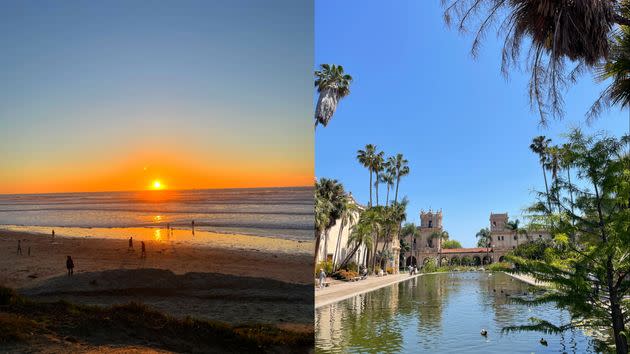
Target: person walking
[143,250]
[53,235]
[130,244]
[322,278]
[193,227]
[70,266]
[19,249]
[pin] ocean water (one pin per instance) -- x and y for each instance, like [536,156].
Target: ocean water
[285,213]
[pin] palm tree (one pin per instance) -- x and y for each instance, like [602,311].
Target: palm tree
[514,226]
[399,165]
[409,230]
[615,70]
[484,238]
[440,236]
[366,158]
[567,161]
[349,211]
[329,196]
[539,146]
[378,164]
[554,161]
[362,235]
[556,33]
[388,178]
[332,85]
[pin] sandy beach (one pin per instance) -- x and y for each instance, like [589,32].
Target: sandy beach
[230,284]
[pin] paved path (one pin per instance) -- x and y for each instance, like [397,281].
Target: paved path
[344,290]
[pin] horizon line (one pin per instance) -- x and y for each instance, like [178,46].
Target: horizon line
[161,190]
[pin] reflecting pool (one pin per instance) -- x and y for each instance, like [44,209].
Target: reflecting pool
[442,313]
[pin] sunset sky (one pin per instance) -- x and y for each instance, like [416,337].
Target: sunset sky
[99,96]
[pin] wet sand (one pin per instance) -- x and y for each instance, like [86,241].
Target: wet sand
[233,285]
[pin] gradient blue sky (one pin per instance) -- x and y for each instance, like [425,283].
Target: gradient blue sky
[203,93]
[465,129]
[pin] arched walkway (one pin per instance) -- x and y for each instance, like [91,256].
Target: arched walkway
[411,260]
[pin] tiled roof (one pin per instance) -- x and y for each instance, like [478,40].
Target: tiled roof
[467,250]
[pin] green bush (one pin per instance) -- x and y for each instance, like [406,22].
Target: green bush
[430,266]
[326,266]
[352,266]
[500,266]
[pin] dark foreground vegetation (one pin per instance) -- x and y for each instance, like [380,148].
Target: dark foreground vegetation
[24,323]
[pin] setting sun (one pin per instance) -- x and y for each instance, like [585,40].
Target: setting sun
[157,185]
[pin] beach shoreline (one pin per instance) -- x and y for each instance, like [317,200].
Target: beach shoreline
[91,254]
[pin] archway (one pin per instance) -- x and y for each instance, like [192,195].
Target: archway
[476,260]
[455,261]
[487,260]
[501,259]
[443,261]
[411,260]
[467,261]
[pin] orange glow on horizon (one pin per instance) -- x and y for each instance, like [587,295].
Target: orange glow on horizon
[156,170]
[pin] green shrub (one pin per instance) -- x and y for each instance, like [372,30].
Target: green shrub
[353,267]
[326,266]
[500,266]
[430,266]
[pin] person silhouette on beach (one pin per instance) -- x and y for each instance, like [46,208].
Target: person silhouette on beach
[19,249]
[143,253]
[193,226]
[130,244]
[70,266]
[53,235]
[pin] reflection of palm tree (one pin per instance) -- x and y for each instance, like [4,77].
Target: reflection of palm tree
[333,85]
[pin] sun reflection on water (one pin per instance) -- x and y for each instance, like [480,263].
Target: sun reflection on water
[157,234]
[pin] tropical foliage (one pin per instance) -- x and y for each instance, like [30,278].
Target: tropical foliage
[555,35]
[590,275]
[332,84]
[451,244]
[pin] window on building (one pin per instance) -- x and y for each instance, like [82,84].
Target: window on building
[515,237]
[430,223]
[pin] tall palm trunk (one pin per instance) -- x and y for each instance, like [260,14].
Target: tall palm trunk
[397,183]
[326,244]
[387,196]
[337,248]
[349,256]
[318,241]
[370,187]
[546,187]
[376,189]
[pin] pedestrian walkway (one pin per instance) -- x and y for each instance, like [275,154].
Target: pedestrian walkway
[343,290]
